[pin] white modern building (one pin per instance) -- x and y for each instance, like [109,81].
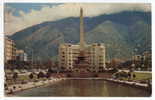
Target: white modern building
[9,50]
[94,54]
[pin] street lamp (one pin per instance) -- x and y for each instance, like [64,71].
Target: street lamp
[133,59]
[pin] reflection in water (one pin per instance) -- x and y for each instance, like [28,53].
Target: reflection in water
[85,87]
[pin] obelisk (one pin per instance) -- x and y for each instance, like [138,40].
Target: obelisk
[82,42]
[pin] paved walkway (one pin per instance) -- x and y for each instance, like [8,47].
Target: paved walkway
[20,87]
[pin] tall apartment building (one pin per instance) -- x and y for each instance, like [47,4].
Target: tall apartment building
[94,54]
[9,49]
[21,55]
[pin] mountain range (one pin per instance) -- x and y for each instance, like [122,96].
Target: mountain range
[123,34]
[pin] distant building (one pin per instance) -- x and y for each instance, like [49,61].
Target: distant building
[144,56]
[137,57]
[9,50]
[147,55]
[21,55]
[143,61]
[147,60]
[94,54]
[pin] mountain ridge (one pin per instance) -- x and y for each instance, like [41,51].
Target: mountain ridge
[117,30]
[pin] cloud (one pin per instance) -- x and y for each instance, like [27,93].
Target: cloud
[46,13]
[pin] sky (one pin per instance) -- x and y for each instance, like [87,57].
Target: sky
[18,16]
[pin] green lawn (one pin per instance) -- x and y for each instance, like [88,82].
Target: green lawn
[21,78]
[139,76]
[142,76]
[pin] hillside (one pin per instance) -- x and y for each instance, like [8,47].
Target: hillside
[121,33]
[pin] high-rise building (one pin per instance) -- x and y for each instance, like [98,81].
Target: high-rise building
[9,50]
[91,55]
[21,55]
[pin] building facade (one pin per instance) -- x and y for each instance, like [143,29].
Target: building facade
[9,50]
[143,61]
[21,55]
[94,54]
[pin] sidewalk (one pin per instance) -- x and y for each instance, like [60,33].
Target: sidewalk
[20,87]
[130,83]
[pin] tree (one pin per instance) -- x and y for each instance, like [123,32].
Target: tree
[134,76]
[15,76]
[129,75]
[48,74]
[31,76]
[40,75]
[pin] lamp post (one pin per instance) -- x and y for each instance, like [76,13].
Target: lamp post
[133,60]
[109,53]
